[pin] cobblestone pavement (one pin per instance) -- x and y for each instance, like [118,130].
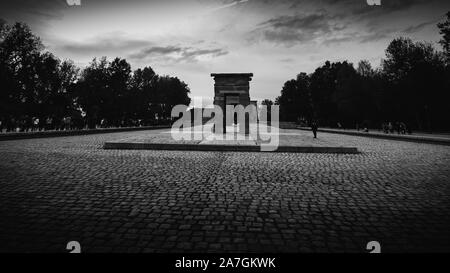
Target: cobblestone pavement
[56,190]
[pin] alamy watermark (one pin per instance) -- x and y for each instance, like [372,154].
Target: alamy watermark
[74,247]
[373,2]
[242,123]
[73,2]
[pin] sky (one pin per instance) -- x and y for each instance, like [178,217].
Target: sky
[190,39]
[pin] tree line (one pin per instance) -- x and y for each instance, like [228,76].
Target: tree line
[39,91]
[410,87]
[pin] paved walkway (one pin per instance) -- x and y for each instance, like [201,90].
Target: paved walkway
[55,190]
[443,139]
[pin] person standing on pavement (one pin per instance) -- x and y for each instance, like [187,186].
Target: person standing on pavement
[314,128]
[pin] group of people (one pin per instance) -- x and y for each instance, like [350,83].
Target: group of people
[34,124]
[392,127]
[387,127]
[364,126]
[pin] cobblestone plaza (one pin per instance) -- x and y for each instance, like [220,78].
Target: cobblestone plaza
[55,190]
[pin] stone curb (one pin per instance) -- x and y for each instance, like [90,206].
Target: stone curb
[225,148]
[418,139]
[44,134]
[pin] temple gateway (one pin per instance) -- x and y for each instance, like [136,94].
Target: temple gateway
[232,89]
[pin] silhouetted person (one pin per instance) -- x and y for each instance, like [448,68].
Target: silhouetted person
[366,126]
[397,127]
[408,129]
[314,128]
[385,128]
[402,126]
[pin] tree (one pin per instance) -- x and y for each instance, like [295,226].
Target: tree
[20,53]
[365,68]
[37,85]
[415,72]
[267,102]
[444,30]
[118,82]
[142,95]
[3,29]
[295,99]
[337,94]
[91,90]
[169,91]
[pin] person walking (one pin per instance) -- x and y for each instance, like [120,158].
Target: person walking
[314,128]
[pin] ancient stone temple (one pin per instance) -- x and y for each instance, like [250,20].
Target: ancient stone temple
[231,89]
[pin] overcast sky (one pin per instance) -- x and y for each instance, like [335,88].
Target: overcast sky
[192,38]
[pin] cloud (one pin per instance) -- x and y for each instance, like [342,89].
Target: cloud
[35,13]
[176,53]
[360,7]
[295,28]
[373,37]
[338,40]
[156,50]
[314,21]
[360,37]
[397,5]
[234,3]
[333,22]
[287,60]
[415,28]
[117,43]
[109,42]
